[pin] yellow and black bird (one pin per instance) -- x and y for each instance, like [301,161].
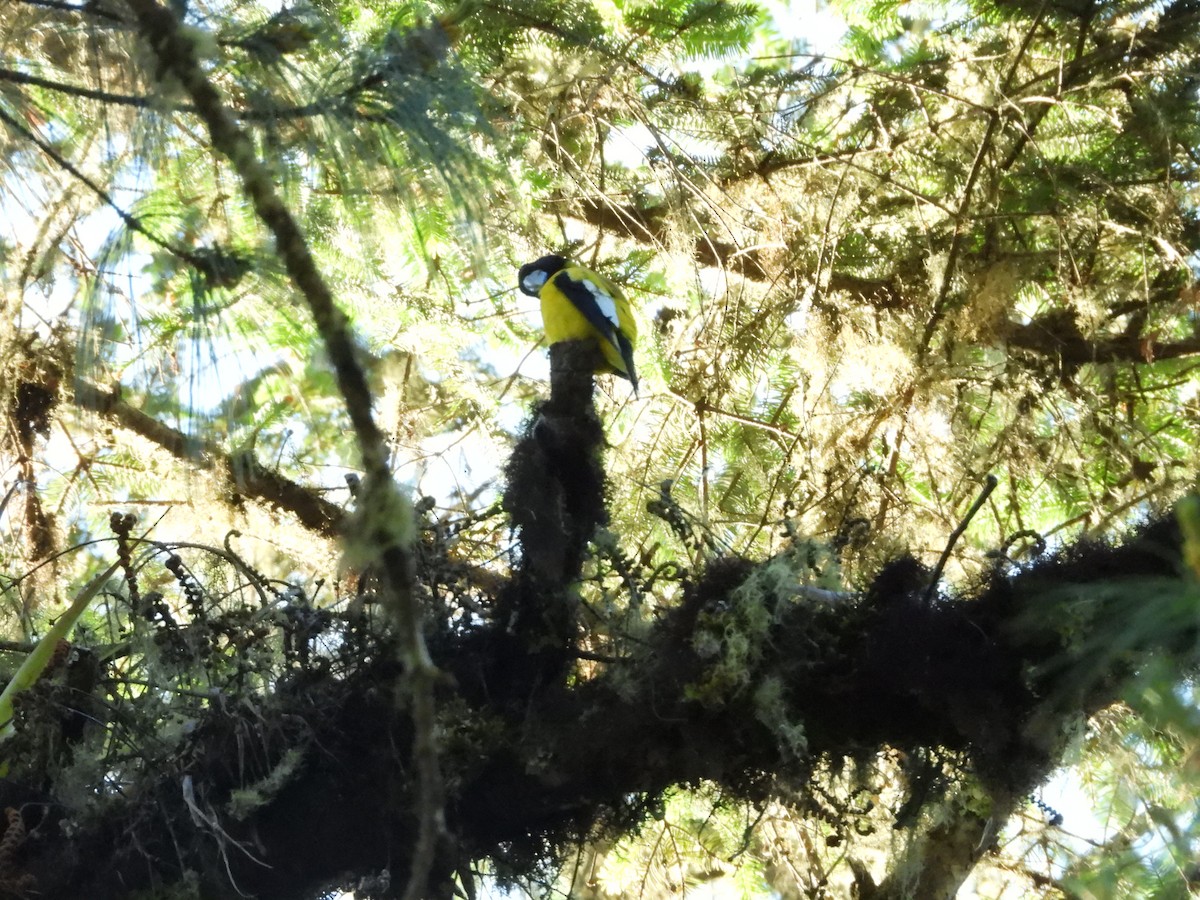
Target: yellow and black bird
[578,304]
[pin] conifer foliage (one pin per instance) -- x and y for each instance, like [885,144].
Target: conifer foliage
[315,577]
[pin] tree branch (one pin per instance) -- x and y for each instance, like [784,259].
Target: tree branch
[651,225]
[991,681]
[1056,336]
[131,221]
[85,9]
[383,525]
[242,472]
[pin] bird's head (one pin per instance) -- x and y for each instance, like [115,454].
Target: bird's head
[535,274]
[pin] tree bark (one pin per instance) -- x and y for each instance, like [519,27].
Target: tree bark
[992,679]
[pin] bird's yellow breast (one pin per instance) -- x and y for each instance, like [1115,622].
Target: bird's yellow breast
[562,321]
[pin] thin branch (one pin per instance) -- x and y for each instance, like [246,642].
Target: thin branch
[989,485]
[130,220]
[343,100]
[12,75]
[956,241]
[1068,80]
[940,304]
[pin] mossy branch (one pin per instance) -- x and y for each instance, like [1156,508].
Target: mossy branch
[388,535]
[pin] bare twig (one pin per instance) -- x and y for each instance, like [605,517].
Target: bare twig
[964,206]
[131,221]
[989,485]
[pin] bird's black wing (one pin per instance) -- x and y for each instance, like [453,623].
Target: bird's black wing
[594,303]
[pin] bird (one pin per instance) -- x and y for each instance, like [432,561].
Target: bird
[578,304]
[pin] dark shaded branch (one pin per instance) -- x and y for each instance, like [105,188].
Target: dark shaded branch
[991,680]
[989,485]
[84,9]
[1059,337]
[337,103]
[72,90]
[242,472]
[652,225]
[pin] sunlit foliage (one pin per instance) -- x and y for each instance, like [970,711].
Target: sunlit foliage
[873,268]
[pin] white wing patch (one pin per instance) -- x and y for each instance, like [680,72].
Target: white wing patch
[606,304]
